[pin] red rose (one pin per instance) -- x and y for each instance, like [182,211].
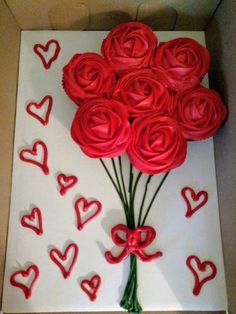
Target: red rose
[144,91]
[184,60]
[129,46]
[101,128]
[199,112]
[157,144]
[88,76]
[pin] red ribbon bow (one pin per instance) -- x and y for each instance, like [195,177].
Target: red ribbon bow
[136,240]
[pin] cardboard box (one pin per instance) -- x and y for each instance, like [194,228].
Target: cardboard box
[217,18]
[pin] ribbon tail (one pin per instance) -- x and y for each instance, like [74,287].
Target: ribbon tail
[116,259]
[147,257]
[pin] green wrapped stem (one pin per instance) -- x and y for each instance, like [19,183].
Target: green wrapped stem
[129,300]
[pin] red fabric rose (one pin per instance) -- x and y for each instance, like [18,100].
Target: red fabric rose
[157,144]
[88,76]
[199,112]
[101,128]
[129,46]
[184,60]
[144,91]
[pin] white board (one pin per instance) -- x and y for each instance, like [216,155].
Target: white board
[165,283]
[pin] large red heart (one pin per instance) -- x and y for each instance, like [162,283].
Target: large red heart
[83,205]
[35,109]
[199,199]
[32,270]
[57,257]
[90,287]
[33,221]
[66,182]
[201,267]
[28,155]
[43,51]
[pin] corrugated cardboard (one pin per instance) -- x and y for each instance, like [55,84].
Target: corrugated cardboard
[221,41]
[10,40]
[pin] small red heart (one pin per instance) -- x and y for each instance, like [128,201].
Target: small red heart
[57,257]
[33,221]
[90,287]
[32,270]
[66,182]
[34,108]
[42,51]
[201,267]
[195,197]
[85,207]
[28,155]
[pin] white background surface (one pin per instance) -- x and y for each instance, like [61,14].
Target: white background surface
[165,283]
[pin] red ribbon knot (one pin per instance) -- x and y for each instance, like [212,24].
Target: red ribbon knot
[134,241]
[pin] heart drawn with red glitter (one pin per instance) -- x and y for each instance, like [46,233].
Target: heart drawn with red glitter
[65,261]
[31,274]
[83,206]
[33,221]
[194,201]
[39,150]
[48,53]
[66,182]
[90,287]
[41,111]
[206,269]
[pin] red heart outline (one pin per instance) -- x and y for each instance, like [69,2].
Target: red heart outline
[39,105]
[90,287]
[195,197]
[66,182]
[33,152]
[26,219]
[86,206]
[202,267]
[25,273]
[63,257]
[38,47]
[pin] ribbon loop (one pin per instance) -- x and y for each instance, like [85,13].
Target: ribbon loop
[135,241]
[115,231]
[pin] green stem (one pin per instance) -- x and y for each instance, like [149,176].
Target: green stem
[125,204]
[110,177]
[119,192]
[133,193]
[131,210]
[122,180]
[130,298]
[117,177]
[153,198]
[143,200]
[130,177]
[136,184]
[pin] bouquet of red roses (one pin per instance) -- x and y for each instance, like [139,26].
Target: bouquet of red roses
[145,100]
